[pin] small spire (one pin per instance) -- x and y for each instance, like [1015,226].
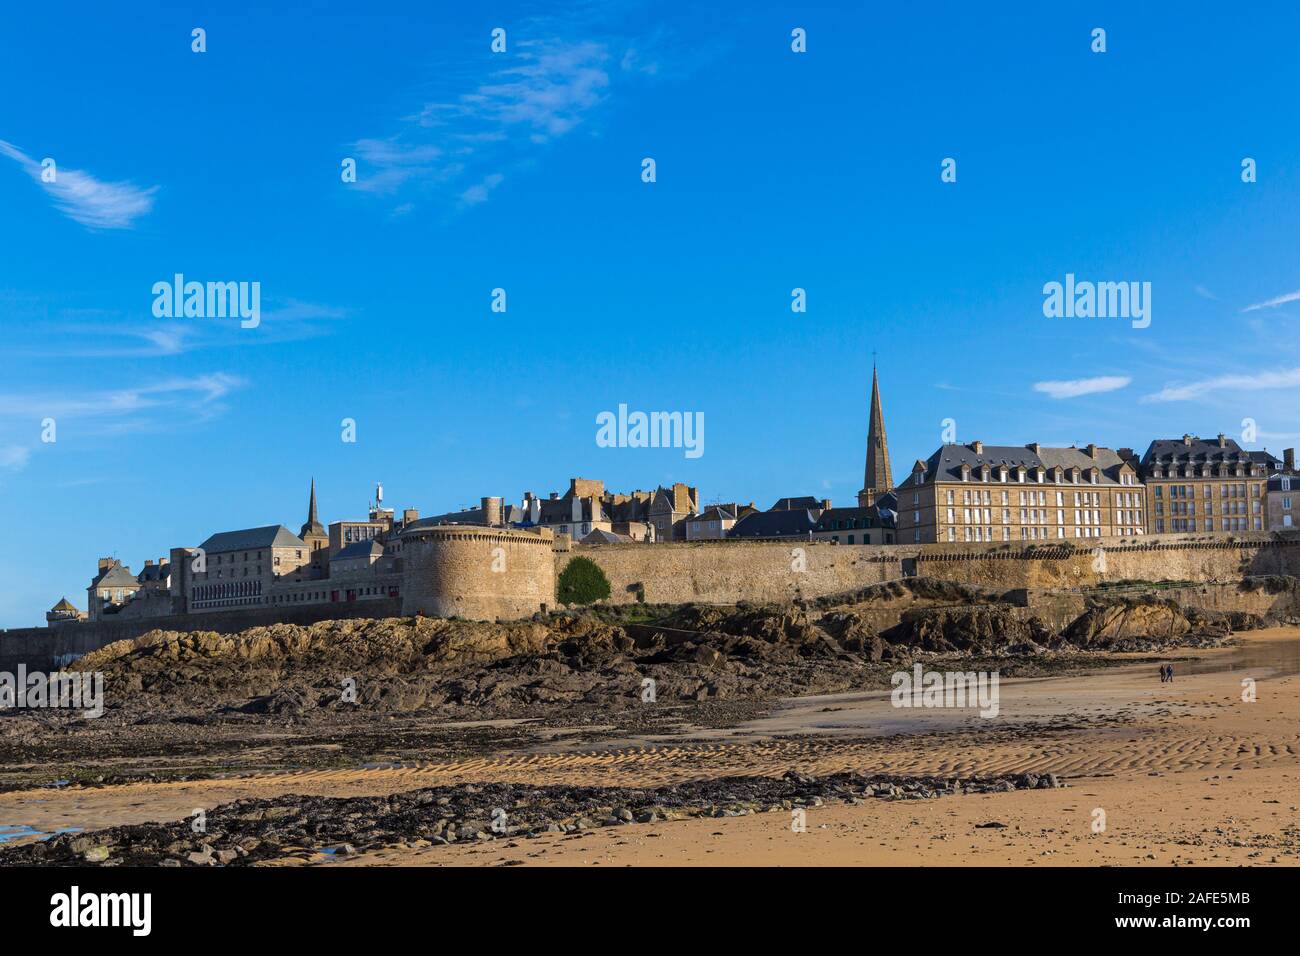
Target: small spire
[312,526]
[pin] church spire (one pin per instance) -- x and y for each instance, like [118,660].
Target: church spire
[877,478]
[313,528]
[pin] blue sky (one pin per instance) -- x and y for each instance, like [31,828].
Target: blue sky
[521,171]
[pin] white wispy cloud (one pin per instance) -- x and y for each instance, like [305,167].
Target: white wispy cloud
[1073,388]
[1273,303]
[198,395]
[479,192]
[105,333]
[462,145]
[80,196]
[14,457]
[1253,382]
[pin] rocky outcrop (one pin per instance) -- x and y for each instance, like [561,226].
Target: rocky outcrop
[986,629]
[318,828]
[1131,624]
[602,661]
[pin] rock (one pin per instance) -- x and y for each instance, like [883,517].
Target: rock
[96,854]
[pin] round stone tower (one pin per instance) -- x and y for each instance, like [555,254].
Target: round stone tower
[476,573]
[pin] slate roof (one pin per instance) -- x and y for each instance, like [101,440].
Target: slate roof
[945,464]
[774,524]
[272,536]
[851,519]
[154,572]
[116,577]
[1275,482]
[510,514]
[598,536]
[65,605]
[1171,451]
[359,549]
[793,504]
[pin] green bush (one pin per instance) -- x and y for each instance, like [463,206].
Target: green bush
[581,582]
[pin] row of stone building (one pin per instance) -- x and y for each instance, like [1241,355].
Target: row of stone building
[1025,493]
[961,493]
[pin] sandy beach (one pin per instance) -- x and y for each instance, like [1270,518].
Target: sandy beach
[1185,773]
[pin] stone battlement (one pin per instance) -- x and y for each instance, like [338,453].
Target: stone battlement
[504,574]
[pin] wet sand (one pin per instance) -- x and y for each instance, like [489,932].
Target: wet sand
[1184,772]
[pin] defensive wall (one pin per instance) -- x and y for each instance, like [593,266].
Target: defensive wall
[482,574]
[498,574]
[724,572]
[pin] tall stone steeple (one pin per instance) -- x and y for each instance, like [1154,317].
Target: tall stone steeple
[878,478]
[313,532]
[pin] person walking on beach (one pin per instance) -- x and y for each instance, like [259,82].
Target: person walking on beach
[1171,673]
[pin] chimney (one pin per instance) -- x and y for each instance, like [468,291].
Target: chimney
[148,562]
[1034,447]
[554,495]
[1223,442]
[977,447]
[410,516]
[1288,459]
[1187,439]
[1092,450]
[492,512]
[106,563]
[826,504]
